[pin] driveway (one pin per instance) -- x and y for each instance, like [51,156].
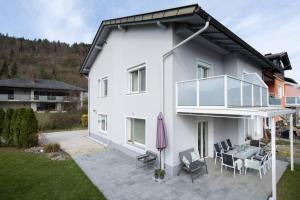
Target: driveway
[73,142]
[114,173]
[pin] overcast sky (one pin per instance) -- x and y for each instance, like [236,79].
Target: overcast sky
[269,26]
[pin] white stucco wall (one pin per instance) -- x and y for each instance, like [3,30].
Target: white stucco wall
[147,44]
[123,50]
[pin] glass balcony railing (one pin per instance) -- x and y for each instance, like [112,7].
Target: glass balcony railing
[273,101]
[223,91]
[14,97]
[41,98]
[292,101]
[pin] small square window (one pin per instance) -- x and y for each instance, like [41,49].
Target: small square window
[102,120]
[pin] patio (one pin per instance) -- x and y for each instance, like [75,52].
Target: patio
[114,173]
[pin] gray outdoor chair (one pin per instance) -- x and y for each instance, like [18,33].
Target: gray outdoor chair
[194,167]
[146,159]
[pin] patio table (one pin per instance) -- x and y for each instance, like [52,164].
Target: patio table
[245,153]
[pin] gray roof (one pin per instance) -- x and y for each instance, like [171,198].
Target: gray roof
[192,17]
[283,56]
[38,84]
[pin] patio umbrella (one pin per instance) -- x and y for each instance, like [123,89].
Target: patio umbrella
[161,137]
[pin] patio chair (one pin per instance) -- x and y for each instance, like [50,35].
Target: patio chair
[218,152]
[255,164]
[255,143]
[146,159]
[225,146]
[190,166]
[229,161]
[230,144]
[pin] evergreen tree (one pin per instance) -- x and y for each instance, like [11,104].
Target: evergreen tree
[2,123]
[43,74]
[16,125]
[6,133]
[4,70]
[14,70]
[28,129]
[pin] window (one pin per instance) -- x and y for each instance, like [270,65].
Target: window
[280,91]
[102,120]
[46,107]
[137,80]
[136,131]
[203,70]
[103,87]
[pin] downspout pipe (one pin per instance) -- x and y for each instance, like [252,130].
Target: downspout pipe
[164,57]
[170,52]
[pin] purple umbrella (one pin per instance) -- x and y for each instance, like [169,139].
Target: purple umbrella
[161,137]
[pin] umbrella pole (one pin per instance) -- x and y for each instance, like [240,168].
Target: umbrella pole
[159,159]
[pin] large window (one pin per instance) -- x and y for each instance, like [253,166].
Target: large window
[102,120]
[136,131]
[137,80]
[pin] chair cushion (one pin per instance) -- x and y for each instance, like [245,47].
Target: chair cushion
[195,165]
[195,156]
[186,161]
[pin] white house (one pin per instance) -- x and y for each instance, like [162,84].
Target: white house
[184,63]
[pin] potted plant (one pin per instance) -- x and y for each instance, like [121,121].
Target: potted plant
[162,174]
[156,173]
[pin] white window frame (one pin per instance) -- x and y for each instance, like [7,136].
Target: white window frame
[136,145]
[280,91]
[137,68]
[100,123]
[204,64]
[101,89]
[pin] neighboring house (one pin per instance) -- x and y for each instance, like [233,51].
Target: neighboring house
[283,91]
[40,95]
[209,87]
[292,97]
[275,78]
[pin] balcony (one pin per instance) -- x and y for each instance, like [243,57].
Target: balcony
[39,98]
[222,92]
[14,97]
[292,101]
[273,101]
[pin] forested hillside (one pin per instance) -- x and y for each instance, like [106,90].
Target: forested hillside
[23,58]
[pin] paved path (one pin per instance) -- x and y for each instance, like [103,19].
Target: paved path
[74,142]
[114,173]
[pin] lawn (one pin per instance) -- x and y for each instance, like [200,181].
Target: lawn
[289,185]
[34,176]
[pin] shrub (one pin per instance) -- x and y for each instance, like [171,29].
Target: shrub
[7,135]
[52,121]
[50,148]
[84,120]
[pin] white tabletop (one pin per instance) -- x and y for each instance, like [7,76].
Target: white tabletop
[248,152]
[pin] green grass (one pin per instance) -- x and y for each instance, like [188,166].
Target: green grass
[30,176]
[284,142]
[289,185]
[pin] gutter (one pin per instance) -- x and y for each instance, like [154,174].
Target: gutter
[170,52]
